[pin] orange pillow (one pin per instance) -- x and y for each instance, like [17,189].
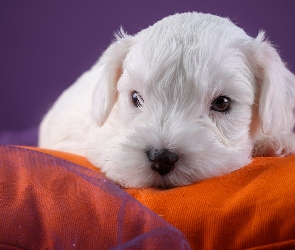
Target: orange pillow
[252,208]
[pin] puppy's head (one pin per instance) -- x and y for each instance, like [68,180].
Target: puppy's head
[177,103]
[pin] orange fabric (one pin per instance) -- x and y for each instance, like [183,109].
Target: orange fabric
[252,208]
[49,203]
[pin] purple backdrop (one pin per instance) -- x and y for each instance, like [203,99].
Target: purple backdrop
[46,45]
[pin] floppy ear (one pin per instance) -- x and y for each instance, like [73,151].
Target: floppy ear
[277,89]
[109,70]
[276,101]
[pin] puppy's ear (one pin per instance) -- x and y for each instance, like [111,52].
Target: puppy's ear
[276,101]
[277,89]
[109,70]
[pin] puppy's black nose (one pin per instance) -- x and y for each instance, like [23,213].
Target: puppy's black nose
[162,161]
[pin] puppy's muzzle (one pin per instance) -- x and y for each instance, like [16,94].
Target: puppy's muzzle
[162,161]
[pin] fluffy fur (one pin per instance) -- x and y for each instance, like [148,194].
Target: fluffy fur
[179,66]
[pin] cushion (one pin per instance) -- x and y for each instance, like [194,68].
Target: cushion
[50,203]
[252,208]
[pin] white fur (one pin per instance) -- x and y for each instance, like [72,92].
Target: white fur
[179,66]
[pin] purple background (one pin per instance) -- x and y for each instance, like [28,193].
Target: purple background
[46,45]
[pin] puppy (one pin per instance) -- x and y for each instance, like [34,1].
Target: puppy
[189,98]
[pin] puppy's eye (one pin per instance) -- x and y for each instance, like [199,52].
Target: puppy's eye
[136,99]
[220,104]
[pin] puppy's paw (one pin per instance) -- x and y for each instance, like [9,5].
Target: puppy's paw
[278,145]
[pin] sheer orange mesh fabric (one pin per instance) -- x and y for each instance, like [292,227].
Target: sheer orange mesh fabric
[49,203]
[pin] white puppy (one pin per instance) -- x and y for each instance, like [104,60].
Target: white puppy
[189,98]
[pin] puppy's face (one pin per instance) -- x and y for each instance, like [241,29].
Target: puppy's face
[184,106]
